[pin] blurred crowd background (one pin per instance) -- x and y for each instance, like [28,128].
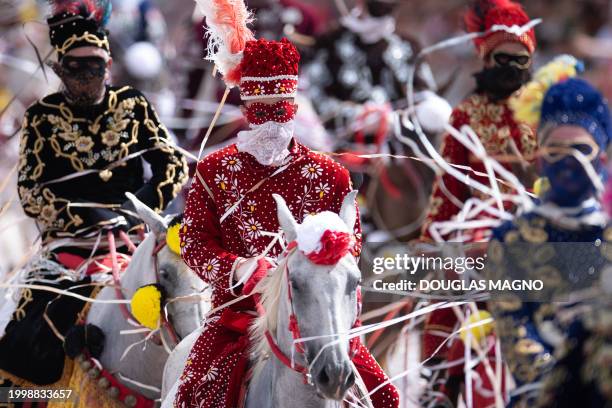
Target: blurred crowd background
[580,27]
[159,47]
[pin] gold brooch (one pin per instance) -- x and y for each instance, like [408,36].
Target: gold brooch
[105,175]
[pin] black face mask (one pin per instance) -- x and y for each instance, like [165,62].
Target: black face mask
[380,8]
[500,82]
[83,78]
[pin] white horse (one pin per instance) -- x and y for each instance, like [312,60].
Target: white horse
[323,298]
[144,365]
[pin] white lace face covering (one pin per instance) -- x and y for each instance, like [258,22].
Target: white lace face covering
[268,142]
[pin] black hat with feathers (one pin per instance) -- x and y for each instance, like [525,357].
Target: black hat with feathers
[79,23]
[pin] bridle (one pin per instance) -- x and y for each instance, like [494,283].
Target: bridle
[294,328]
[293,325]
[165,323]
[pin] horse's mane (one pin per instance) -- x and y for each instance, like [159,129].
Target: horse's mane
[269,289]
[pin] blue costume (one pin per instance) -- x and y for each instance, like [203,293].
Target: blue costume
[566,241]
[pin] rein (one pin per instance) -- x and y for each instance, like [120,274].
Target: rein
[116,279]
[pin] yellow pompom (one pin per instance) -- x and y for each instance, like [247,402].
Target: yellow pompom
[479,331]
[146,306]
[172,238]
[541,186]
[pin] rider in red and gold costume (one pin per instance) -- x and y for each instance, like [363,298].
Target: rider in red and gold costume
[507,62]
[229,210]
[507,58]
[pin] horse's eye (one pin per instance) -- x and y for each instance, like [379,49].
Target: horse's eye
[260,114]
[281,112]
[164,274]
[294,286]
[352,284]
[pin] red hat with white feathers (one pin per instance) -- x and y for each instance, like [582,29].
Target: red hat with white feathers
[262,68]
[502,19]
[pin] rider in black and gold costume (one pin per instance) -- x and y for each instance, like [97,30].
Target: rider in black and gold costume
[74,155]
[81,150]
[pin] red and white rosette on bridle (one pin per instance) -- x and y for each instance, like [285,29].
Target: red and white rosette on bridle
[324,238]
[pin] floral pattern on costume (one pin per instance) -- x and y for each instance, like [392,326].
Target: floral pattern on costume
[309,183]
[497,129]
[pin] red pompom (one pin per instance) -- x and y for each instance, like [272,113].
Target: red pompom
[263,58]
[334,245]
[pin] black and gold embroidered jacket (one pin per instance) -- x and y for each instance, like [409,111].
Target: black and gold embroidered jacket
[77,163]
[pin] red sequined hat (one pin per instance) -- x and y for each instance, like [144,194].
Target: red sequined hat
[269,69]
[485,15]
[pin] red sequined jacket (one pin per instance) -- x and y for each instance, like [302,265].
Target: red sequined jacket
[497,129]
[310,183]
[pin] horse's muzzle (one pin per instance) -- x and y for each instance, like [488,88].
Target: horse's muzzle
[333,379]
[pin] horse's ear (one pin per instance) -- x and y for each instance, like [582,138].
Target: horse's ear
[150,217]
[348,211]
[285,218]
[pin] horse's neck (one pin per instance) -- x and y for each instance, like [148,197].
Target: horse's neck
[277,385]
[140,365]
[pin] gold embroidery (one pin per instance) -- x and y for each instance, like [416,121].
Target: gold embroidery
[48,214]
[528,140]
[73,138]
[88,37]
[533,235]
[528,346]
[544,254]
[26,298]
[38,146]
[74,160]
[84,144]
[511,236]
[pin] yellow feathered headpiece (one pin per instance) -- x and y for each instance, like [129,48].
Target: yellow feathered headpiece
[527,104]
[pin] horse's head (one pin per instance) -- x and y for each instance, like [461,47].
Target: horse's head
[165,268]
[323,277]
